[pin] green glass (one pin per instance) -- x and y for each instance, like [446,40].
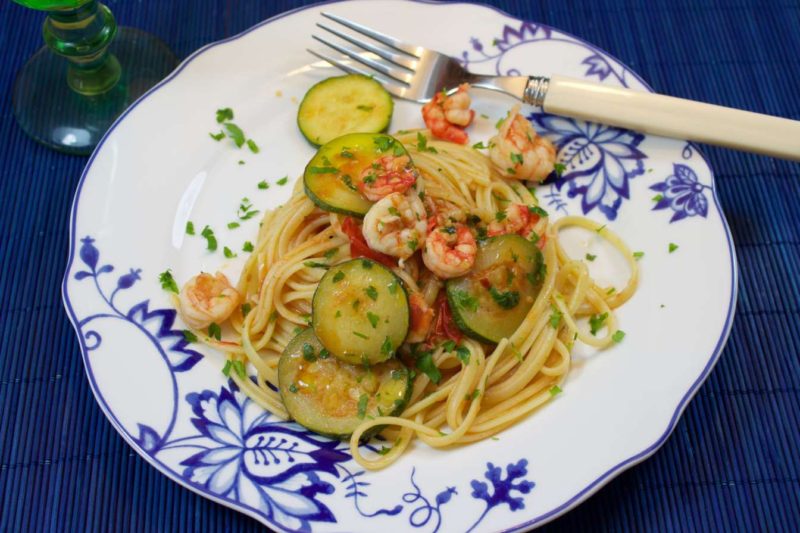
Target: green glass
[89,71]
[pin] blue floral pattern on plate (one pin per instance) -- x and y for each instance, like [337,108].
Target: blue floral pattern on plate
[683,193]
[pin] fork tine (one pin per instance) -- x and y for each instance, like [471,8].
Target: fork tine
[401,60]
[352,69]
[376,65]
[415,51]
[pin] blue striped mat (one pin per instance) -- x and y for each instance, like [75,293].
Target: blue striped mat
[733,462]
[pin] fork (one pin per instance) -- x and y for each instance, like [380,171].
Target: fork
[416,73]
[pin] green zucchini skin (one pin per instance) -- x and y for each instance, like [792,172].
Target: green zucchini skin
[333,398]
[360,312]
[344,104]
[512,267]
[331,178]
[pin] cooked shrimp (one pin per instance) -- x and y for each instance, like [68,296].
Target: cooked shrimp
[441,212]
[518,152]
[205,299]
[450,251]
[447,116]
[516,218]
[421,318]
[387,175]
[396,225]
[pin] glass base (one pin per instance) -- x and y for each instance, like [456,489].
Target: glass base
[52,113]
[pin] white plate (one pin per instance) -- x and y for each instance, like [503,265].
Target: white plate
[157,168]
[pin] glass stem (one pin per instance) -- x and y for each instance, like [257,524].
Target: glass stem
[81,35]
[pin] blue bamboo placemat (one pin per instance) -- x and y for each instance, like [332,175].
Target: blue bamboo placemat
[733,462]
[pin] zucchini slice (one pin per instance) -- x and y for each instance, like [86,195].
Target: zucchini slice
[332,177]
[360,312]
[344,104]
[331,397]
[490,302]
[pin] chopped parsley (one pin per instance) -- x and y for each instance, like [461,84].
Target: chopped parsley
[308,353]
[348,182]
[463,354]
[360,335]
[356,304]
[366,264]
[283,181]
[233,225]
[346,153]
[536,210]
[638,255]
[413,243]
[555,317]
[590,257]
[422,144]
[538,275]
[555,389]
[263,185]
[322,170]
[228,253]
[611,290]
[235,133]
[499,123]
[596,322]
[239,368]
[362,405]
[247,246]
[618,336]
[672,247]
[339,276]
[500,216]
[506,299]
[465,301]
[253,146]
[365,107]
[426,365]
[246,211]
[227,368]
[387,348]
[480,146]
[226,113]
[373,319]
[393,286]
[516,158]
[293,388]
[211,240]
[214,331]
[338,313]
[188,336]
[383,142]
[384,450]
[511,171]
[217,136]
[189,228]
[241,162]
[657,197]
[315,264]
[330,253]
[246,309]
[394,211]
[559,168]
[372,292]
[168,282]
[601,228]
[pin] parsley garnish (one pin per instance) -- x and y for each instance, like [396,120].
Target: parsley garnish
[425,364]
[293,388]
[227,368]
[233,225]
[346,154]
[366,264]
[168,282]
[339,276]
[348,182]
[479,146]
[638,255]
[618,336]
[226,113]
[228,253]
[235,133]
[672,247]
[283,181]
[373,319]
[188,336]
[246,309]
[464,300]
[596,322]
[511,171]
[247,246]
[463,354]
[657,197]
[316,264]
[500,216]
[555,317]
[308,353]
[240,370]
[590,257]
[384,450]
[338,313]
[214,331]
[263,185]
[394,211]
[365,107]
[422,144]
[361,335]
[506,300]
[211,240]
[499,123]
[190,228]
[413,243]
[536,210]
[611,290]
[393,286]
[538,275]
[217,136]
[516,158]
[362,405]
[330,253]
[246,211]
[601,228]
[241,162]
[555,389]
[559,168]
[387,348]
[253,146]
[372,292]
[383,143]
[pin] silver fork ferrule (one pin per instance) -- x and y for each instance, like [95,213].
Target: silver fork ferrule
[536,90]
